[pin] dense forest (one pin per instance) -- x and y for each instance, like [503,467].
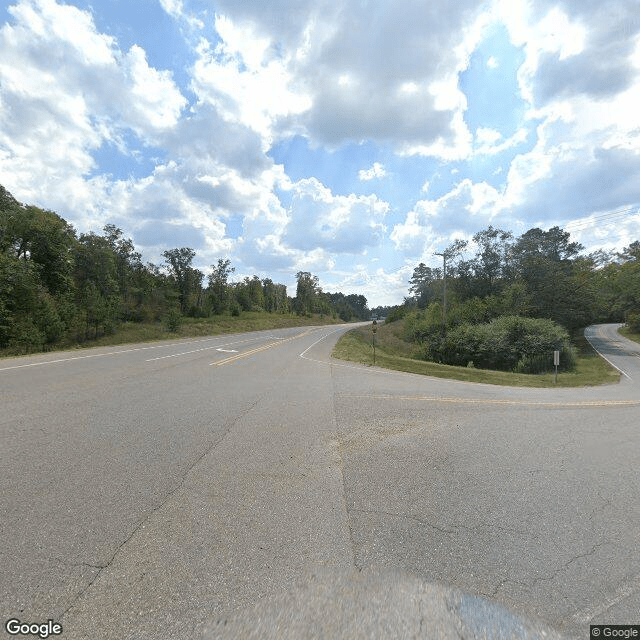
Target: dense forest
[517,299]
[56,285]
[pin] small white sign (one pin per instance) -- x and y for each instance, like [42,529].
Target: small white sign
[556,358]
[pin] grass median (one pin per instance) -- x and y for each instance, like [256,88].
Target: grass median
[392,352]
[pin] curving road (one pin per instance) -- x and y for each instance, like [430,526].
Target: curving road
[621,353]
[150,490]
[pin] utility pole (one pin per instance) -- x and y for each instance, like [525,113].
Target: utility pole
[451,251]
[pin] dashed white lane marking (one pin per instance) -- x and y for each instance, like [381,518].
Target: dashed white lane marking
[215,346]
[100,355]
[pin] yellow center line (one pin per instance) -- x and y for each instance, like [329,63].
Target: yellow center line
[535,403]
[264,347]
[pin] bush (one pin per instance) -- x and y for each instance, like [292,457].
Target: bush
[507,343]
[235,308]
[26,337]
[421,326]
[633,320]
[174,320]
[397,313]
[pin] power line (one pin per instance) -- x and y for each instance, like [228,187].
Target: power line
[604,219]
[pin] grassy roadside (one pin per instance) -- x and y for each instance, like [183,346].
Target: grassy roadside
[394,353]
[627,333]
[132,332]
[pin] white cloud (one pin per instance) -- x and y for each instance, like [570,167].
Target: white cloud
[340,224]
[490,142]
[65,90]
[383,72]
[486,136]
[155,100]
[246,79]
[403,90]
[379,286]
[467,208]
[376,171]
[173,7]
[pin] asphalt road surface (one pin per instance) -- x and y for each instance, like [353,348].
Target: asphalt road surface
[148,491]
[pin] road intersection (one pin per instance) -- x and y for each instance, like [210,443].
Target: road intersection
[146,492]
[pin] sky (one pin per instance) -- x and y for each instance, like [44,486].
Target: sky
[352,139]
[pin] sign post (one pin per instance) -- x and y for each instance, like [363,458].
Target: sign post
[556,362]
[374,328]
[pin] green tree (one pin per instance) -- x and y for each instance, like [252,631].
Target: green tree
[97,283]
[307,290]
[218,289]
[490,264]
[129,269]
[426,284]
[178,262]
[546,262]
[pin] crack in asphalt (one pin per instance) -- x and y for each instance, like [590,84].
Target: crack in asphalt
[566,564]
[455,527]
[403,516]
[338,453]
[161,504]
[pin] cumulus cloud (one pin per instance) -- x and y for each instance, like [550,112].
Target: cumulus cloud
[65,90]
[574,48]
[467,208]
[341,224]
[333,73]
[246,79]
[403,90]
[376,171]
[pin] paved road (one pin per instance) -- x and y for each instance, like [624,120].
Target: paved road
[148,491]
[623,354]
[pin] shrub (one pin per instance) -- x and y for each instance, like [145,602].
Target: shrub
[174,320]
[397,313]
[507,343]
[633,320]
[26,337]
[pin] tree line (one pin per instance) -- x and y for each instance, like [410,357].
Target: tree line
[58,285]
[476,310]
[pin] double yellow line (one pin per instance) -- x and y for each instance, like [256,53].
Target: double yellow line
[264,347]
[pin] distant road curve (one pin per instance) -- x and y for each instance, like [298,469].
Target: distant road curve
[618,351]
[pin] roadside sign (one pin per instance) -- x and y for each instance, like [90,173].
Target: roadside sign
[556,358]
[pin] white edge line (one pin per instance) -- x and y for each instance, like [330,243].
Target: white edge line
[624,373]
[314,344]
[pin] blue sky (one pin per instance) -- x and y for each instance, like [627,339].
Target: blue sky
[351,139]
